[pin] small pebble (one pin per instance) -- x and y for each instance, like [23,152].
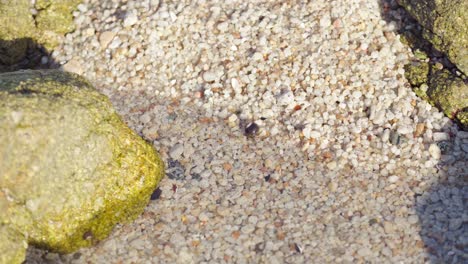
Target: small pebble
[176,151]
[435,152]
[393,178]
[105,38]
[74,66]
[130,19]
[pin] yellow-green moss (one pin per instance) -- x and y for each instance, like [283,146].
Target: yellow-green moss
[417,73]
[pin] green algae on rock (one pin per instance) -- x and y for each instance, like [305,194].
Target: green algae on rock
[444,24]
[70,169]
[19,27]
[440,88]
[54,19]
[417,72]
[448,92]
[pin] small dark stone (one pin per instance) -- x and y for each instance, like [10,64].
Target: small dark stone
[251,129]
[156,194]
[267,178]
[196,177]
[263,118]
[175,170]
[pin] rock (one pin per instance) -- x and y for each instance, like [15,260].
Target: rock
[464,147]
[56,15]
[405,129]
[130,19]
[20,28]
[364,252]
[70,169]
[440,136]
[444,90]
[325,21]
[448,92]
[210,76]
[332,165]
[386,135]
[389,227]
[393,178]
[395,138]
[419,130]
[413,219]
[417,73]
[377,116]
[74,66]
[105,38]
[175,170]
[444,25]
[435,151]
[176,151]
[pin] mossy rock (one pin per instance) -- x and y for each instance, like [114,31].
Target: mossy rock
[417,72]
[448,92]
[54,20]
[444,25]
[70,169]
[20,29]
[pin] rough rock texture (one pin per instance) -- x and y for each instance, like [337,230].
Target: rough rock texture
[434,78]
[440,88]
[54,19]
[70,169]
[445,26]
[19,27]
[449,93]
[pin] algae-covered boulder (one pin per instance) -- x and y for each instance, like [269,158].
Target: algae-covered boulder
[444,24]
[19,28]
[70,169]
